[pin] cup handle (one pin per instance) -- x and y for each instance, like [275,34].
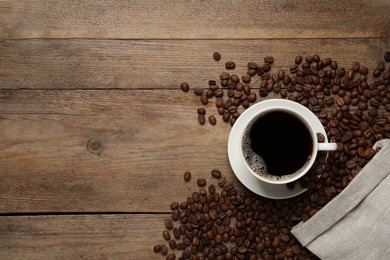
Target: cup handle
[327,146]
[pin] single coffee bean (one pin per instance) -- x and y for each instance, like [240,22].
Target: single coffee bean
[168,224]
[166,235]
[298,59]
[246,78]
[164,250]
[281,74]
[157,249]
[216,173]
[181,246]
[363,70]
[184,87]
[252,97]
[201,119]
[212,120]
[386,56]
[172,244]
[201,111]
[320,137]
[309,59]
[209,93]
[171,257]
[252,65]
[216,56]
[177,233]
[187,176]
[198,91]
[204,99]
[226,116]
[294,68]
[351,164]
[230,65]
[201,182]
[268,59]
[218,93]
[174,205]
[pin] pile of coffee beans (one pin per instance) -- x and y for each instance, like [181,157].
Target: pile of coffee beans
[319,84]
[222,222]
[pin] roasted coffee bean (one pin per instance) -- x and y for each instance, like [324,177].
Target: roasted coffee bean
[281,74]
[184,87]
[320,137]
[218,93]
[246,78]
[226,116]
[386,56]
[216,173]
[298,59]
[157,249]
[216,56]
[204,99]
[209,93]
[172,244]
[198,91]
[252,97]
[212,120]
[201,119]
[351,164]
[252,65]
[164,250]
[201,182]
[166,235]
[268,59]
[174,205]
[168,224]
[171,257]
[230,65]
[201,111]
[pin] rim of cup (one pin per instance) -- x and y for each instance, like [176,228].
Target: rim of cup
[284,179]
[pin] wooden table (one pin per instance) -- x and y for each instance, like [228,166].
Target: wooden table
[95,134]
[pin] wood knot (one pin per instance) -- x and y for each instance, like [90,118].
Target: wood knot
[95,146]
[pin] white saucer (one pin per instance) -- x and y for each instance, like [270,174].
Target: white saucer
[272,191]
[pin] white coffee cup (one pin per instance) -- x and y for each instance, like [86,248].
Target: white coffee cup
[294,109]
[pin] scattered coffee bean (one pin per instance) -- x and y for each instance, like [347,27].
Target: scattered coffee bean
[187,176]
[230,65]
[216,173]
[164,250]
[198,91]
[216,56]
[171,257]
[268,59]
[386,56]
[201,119]
[320,137]
[212,120]
[166,235]
[184,87]
[157,249]
[168,224]
[201,182]
[201,111]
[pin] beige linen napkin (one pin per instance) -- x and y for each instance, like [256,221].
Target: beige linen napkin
[356,223]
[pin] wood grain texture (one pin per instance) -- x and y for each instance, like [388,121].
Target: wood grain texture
[194,19]
[104,151]
[81,237]
[159,64]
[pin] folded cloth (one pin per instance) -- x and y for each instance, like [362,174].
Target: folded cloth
[356,223]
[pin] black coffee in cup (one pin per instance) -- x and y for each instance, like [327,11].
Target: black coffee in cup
[277,143]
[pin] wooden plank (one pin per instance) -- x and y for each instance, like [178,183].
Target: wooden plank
[104,151]
[86,64]
[81,236]
[194,19]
